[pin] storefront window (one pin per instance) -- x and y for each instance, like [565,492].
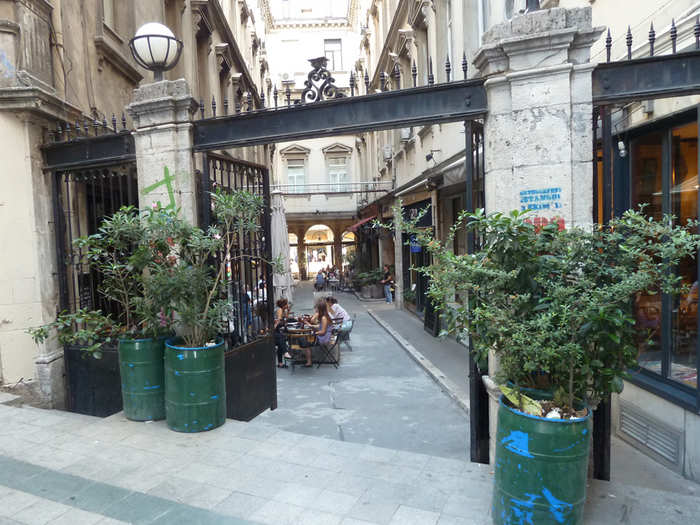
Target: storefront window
[684,206]
[664,177]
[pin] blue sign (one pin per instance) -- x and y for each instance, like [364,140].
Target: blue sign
[415,247]
[542,199]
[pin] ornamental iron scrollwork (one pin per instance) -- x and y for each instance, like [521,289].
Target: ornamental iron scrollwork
[319,84]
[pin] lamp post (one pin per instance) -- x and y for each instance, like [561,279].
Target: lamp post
[154,47]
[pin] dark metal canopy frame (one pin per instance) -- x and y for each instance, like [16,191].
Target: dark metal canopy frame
[617,84]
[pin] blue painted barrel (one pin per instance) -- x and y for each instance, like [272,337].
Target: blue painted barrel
[541,469]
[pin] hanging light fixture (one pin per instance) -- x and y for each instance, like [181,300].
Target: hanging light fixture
[154,47]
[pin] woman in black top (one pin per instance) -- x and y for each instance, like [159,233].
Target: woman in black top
[387,282]
[281,314]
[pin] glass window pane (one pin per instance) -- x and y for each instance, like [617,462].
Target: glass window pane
[646,187]
[296,175]
[684,206]
[338,174]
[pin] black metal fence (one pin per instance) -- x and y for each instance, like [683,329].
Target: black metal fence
[82,199]
[250,289]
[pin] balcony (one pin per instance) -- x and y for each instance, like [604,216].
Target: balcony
[333,189]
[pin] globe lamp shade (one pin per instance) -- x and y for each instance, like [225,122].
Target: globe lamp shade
[155,48]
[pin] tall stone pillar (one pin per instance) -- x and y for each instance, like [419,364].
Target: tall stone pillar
[338,249]
[162,114]
[398,263]
[537,134]
[538,138]
[301,254]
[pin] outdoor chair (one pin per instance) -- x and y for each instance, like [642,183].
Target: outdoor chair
[320,354]
[344,335]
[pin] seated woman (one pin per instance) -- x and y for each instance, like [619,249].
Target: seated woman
[320,281]
[338,312]
[281,314]
[323,330]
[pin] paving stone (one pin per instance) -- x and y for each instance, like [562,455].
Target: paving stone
[240,505]
[139,508]
[377,511]
[40,512]
[77,517]
[412,516]
[278,513]
[16,501]
[333,501]
[468,506]
[353,521]
[98,496]
[316,517]
[207,496]
[297,494]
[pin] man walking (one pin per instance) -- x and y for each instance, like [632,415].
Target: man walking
[388,281]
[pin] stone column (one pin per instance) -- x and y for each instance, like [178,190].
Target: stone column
[162,114]
[538,138]
[537,135]
[301,254]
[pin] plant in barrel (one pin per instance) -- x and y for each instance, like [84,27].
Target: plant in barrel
[122,255]
[554,309]
[201,287]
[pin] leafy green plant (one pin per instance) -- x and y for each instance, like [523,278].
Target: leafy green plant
[201,275]
[125,250]
[409,296]
[370,277]
[556,307]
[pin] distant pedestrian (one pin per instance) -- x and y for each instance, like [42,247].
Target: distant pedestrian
[388,281]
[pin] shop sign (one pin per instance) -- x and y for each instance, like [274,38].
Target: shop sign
[411,211]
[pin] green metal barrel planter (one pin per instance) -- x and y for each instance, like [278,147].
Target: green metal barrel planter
[143,385]
[195,387]
[541,469]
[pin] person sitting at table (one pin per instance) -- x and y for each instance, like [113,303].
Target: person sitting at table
[281,314]
[338,312]
[320,281]
[323,330]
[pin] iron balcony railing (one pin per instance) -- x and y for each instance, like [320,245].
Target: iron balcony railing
[333,188]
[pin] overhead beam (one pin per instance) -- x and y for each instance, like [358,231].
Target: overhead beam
[647,78]
[89,151]
[453,101]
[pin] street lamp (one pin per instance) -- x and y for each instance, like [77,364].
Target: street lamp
[154,47]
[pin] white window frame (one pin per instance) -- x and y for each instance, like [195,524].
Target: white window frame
[294,184]
[338,185]
[335,61]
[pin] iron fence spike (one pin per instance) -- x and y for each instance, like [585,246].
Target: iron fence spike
[123,120]
[288,95]
[696,32]
[96,126]
[275,95]
[262,100]
[465,64]
[213,106]
[225,105]
[414,73]
[608,46]
[431,78]
[652,39]
[104,124]
[250,101]
[448,68]
[674,35]
[201,108]
[629,43]
[366,82]
[352,83]
[77,127]
[114,123]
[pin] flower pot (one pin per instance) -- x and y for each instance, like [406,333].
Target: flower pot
[93,383]
[143,386]
[195,387]
[541,468]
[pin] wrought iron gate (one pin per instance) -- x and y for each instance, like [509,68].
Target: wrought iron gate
[251,382]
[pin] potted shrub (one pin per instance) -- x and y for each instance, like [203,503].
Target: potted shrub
[555,309]
[369,284]
[124,253]
[200,282]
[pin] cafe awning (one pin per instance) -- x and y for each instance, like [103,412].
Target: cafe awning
[355,226]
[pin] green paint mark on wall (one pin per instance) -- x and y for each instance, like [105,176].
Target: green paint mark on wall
[167,182]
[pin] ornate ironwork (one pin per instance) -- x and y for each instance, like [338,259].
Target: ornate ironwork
[319,84]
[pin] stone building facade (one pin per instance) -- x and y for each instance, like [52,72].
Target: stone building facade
[67,61]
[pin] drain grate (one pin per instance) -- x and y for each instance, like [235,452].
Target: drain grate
[654,437]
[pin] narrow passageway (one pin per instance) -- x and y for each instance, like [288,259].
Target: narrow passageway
[377,396]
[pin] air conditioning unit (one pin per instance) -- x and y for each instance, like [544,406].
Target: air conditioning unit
[388,152]
[405,134]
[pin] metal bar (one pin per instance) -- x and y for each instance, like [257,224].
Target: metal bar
[647,78]
[602,425]
[666,299]
[607,163]
[205,199]
[448,102]
[60,233]
[92,151]
[697,277]
[595,165]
